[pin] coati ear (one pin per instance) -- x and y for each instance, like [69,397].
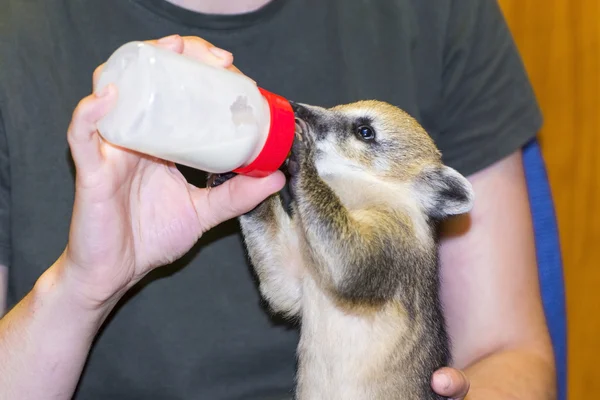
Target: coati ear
[444,192]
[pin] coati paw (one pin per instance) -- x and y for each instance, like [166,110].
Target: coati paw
[293,163]
[302,148]
[214,180]
[300,168]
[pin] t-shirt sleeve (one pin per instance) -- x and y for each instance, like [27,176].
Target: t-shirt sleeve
[489,108]
[4,198]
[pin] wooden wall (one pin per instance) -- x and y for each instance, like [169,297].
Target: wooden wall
[560,43]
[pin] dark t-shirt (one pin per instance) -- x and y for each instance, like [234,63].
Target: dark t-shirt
[197,329]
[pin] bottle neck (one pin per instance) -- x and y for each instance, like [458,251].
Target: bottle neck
[279,138]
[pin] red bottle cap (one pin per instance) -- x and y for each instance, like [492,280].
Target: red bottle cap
[279,139]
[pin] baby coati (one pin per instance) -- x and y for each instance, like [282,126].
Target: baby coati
[356,256]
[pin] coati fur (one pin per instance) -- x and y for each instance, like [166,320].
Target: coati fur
[355,256]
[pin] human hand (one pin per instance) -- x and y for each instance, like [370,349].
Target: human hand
[133,213]
[451,383]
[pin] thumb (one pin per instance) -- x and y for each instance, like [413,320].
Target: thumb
[82,135]
[233,198]
[451,383]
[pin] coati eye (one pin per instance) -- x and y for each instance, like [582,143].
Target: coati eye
[366,133]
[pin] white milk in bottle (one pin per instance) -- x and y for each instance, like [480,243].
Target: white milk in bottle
[178,109]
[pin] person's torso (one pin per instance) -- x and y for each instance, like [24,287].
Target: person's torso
[196,329]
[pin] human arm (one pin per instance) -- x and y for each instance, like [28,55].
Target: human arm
[131,214]
[491,293]
[488,257]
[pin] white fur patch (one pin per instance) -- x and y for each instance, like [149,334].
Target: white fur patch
[327,335]
[331,162]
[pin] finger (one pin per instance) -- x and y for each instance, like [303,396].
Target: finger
[173,43]
[199,49]
[233,198]
[82,135]
[450,382]
[202,50]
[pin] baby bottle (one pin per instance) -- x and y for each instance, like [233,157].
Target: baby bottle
[181,110]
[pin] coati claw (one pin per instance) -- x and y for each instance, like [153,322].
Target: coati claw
[302,131]
[303,146]
[299,130]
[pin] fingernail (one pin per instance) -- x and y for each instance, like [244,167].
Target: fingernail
[167,39]
[220,53]
[442,380]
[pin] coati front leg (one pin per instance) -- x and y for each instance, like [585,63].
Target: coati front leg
[273,249]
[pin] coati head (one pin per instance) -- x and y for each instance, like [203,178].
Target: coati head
[375,144]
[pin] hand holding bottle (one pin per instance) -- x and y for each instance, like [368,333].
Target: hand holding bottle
[132,212]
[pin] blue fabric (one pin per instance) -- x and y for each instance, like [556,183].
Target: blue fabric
[548,257]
